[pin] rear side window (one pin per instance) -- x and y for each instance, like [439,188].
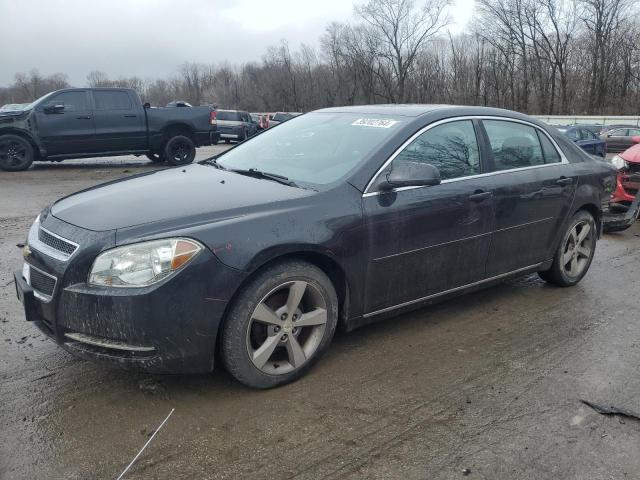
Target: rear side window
[72,101]
[514,145]
[549,151]
[587,134]
[620,132]
[112,100]
[229,116]
[452,148]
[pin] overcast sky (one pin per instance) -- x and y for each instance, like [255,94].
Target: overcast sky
[151,38]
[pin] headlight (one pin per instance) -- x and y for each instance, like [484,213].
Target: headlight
[619,162]
[142,264]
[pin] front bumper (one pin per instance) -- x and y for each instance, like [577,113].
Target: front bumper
[170,327]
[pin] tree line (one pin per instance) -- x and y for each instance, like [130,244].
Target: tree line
[536,56]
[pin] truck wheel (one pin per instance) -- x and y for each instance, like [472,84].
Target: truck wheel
[16,153]
[155,157]
[279,325]
[180,150]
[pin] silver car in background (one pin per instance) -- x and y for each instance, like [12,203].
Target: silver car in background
[235,125]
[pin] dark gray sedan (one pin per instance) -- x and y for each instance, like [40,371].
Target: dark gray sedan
[343,216]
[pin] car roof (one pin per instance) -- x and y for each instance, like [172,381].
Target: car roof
[407,110]
[417,110]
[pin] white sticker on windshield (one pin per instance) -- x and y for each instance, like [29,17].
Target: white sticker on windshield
[375,122]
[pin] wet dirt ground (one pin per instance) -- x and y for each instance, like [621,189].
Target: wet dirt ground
[485,386]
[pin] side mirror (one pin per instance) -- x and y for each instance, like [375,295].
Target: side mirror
[59,108]
[635,139]
[147,105]
[411,174]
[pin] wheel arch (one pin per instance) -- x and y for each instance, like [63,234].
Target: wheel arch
[27,136]
[595,211]
[177,128]
[322,259]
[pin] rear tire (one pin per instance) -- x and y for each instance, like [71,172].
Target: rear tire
[180,150]
[575,253]
[16,153]
[280,324]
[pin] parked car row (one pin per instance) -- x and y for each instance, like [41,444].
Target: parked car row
[621,139]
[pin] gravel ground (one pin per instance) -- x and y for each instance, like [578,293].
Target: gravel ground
[486,386]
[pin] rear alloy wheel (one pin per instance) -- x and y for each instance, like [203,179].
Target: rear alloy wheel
[16,153]
[280,325]
[575,254]
[180,150]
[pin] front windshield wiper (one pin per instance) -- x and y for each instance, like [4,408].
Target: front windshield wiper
[254,172]
[213,161]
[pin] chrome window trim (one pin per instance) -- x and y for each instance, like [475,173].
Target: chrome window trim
[39,295]
[368,193]
[451,290]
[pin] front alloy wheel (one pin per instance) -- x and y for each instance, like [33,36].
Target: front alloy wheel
[279,325]
[284,331]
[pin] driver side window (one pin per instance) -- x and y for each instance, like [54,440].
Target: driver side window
[72,101]
[451,147]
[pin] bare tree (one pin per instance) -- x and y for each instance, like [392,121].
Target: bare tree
[402,29]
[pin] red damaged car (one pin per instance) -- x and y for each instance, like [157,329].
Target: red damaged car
[628,165]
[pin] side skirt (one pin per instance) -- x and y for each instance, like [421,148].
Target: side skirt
[388,312]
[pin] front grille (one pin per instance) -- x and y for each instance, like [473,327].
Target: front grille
[41,282]
[56,242]
[634,168]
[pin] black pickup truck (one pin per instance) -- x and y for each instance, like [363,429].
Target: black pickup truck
[98,122]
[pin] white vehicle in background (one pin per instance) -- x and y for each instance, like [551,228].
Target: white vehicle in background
[13,107]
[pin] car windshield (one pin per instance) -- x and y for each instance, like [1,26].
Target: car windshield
[317,148]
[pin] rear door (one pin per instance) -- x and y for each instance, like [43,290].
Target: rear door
[69,129]
[426,240]
[533,187]
[119,121]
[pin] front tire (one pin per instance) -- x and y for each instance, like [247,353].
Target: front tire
[280,324]
[575,253]
[180,150]
[16,153]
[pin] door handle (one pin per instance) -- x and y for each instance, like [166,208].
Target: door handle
[480,196]
[84,118]
[129,115]
[564,181]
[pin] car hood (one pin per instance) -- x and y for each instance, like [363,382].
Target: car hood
[9,114]
[201,191]
[632,154]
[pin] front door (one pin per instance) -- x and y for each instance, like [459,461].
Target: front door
[534,189]
[69,128]
[426,240]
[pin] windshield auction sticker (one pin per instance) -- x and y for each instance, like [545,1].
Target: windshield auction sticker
[374,122]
